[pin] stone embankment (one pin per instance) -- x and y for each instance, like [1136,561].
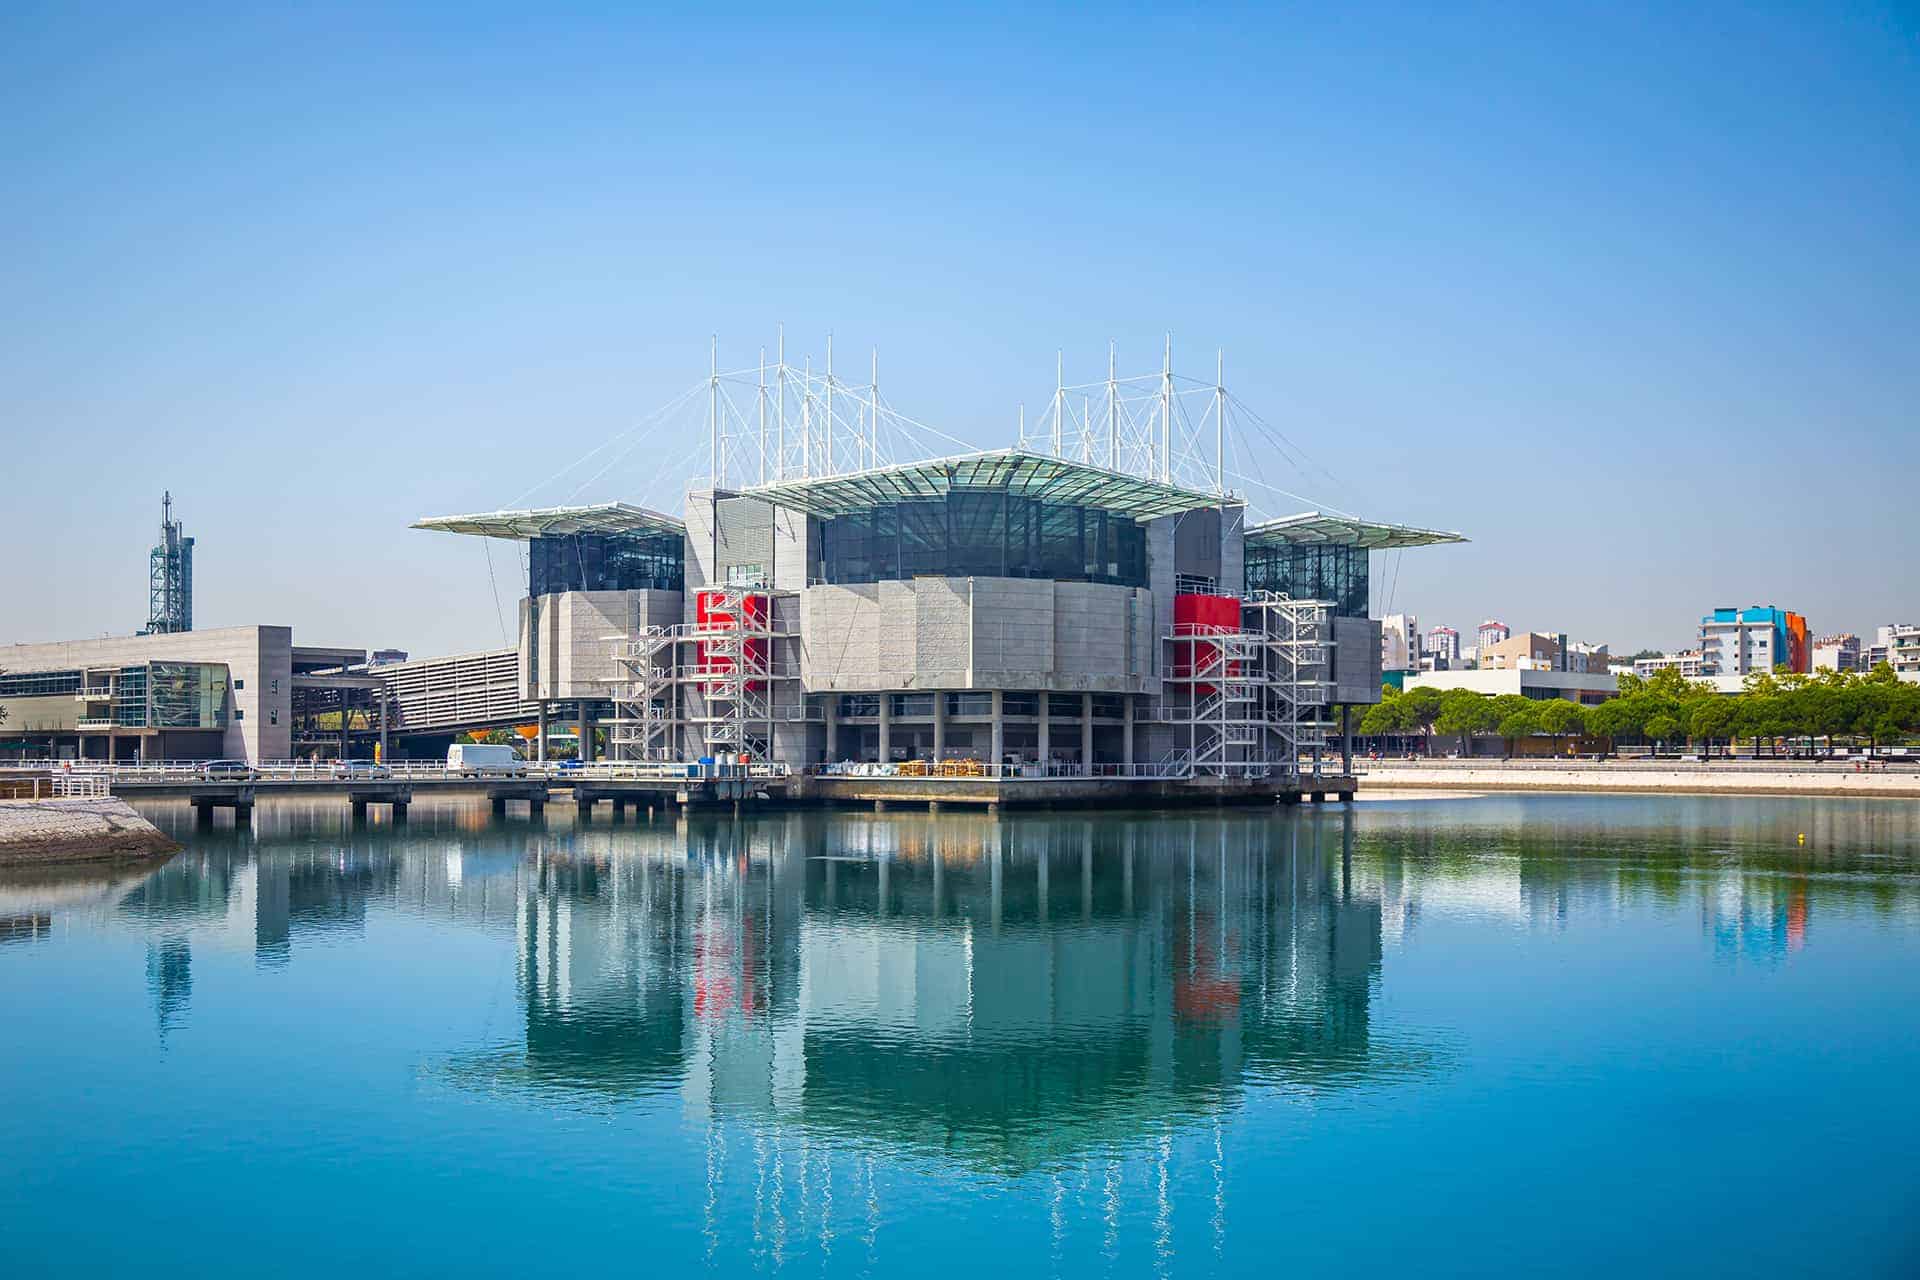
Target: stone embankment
[95,829]
[1677,779]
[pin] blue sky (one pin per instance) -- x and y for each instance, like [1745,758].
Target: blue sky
[1629,294]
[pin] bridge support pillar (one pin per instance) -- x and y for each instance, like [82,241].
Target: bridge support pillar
[499,806]
[399,810]
[359,808]
[1086,735]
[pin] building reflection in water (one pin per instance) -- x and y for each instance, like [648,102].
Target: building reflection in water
[1085,1001]
[1004,992]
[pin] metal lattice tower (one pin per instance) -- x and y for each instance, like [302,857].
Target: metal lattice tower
[170,576]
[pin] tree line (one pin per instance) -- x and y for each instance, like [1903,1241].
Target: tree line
[1666,709]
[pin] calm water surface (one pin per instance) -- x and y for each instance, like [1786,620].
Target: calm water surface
[1575,1035]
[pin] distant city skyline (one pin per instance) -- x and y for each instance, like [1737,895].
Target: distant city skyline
[1627,297]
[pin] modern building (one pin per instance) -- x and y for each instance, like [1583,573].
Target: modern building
[1532,682]
[228,692]
[1737,642]
[1898,645]
[1838,653]
[1544,651]
[1487,634]
[1687,662]
[1444,644]
[1008,608]
[1399,642]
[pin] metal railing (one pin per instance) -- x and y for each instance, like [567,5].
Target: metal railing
[182,772]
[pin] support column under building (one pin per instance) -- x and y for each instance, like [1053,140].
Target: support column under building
[1346,741]
[999,728]
[586,732]
[540,731]
[1126,731]
[939,726]
[830,714]
[1086,734]
[886,728]
[1046,745]
[385,747]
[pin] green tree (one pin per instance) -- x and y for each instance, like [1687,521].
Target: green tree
[1423,705]
[1710,718]
[1391,716]
[1560,717]
[1469,714]
[1507,705]
[1663,727]
[1520,722]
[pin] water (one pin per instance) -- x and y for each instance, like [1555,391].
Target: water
[1574,1035]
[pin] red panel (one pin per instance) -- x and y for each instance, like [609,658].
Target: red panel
[1196,615]
[713,612]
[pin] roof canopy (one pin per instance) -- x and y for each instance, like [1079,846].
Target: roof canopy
[1311,527]
[1027,475]
[545,522]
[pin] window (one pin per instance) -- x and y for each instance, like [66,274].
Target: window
[273,717]
[1337,574]
[859,704]
[912,704]
[984,532]
[239,714]
[970,704]
[1110,706]
[238,685]
[605,562]
[746,575]
[39,684]
[1020,704]
[1063,704]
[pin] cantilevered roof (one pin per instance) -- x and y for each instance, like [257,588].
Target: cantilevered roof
[1027,475]
[604,517]
[1346,531]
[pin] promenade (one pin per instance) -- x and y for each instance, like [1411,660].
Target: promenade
[1801,778]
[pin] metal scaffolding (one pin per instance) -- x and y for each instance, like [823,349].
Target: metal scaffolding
[1246,702]
[705,687]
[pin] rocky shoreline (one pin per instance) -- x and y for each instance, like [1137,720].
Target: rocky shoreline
[96,829]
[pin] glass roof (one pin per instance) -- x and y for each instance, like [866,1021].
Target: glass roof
[604,517]
[1030,475]
[1346,531]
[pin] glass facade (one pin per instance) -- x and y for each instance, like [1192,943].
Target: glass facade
[39,684]
[605,562]
[984,532]
[186,695]
[1316,571]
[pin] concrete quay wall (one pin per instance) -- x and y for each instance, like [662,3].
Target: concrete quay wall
[39,832]
[1698,780]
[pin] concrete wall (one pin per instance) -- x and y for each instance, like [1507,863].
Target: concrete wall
[977,633]
[259,662]
[571,656]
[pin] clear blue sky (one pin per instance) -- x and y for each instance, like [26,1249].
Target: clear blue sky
[1629,294]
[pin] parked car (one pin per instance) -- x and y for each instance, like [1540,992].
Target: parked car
[228,771]
[360,769]
[573,764]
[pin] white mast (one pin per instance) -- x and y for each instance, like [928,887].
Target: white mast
[828,468]
[806,423]
[713,408]
[763,415]
[1113,414]
[873,413]
[1220,421]
[1166,414]
[1059,396]
[780,419]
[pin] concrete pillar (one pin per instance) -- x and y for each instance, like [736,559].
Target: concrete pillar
[999,728]
[540,732]
[346,719]
[939,726]
[1126,730]
[830,713]
[886,727]
[586,731]
[385,746]
[1346,740]
[1086,734]
[1046,743]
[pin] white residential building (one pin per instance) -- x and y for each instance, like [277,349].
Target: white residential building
[1399,642]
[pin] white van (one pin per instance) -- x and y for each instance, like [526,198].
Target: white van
[484,759]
